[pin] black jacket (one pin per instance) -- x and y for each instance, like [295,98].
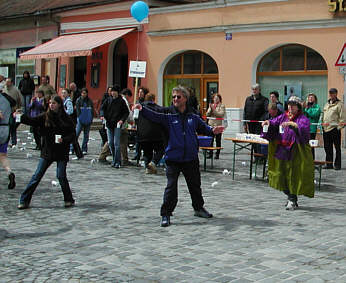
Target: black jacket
[255,109]
[26,86]
[148,130]
[114,110]
[64,127]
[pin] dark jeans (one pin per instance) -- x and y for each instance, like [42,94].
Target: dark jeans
[330,138]
[86,129]
[217,139]
[13,130]
[42,167]
[152,151]
[114,144]
[192,176]
[37,136]
[312,137]
[255,128]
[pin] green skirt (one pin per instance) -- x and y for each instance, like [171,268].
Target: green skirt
[296,175]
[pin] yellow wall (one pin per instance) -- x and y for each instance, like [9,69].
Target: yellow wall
[236,58]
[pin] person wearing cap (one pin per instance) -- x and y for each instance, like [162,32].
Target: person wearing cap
[290,163]
[333,117]
[181,153]
[115,111]
[312,111]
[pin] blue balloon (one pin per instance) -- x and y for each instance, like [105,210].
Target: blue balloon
[139,10]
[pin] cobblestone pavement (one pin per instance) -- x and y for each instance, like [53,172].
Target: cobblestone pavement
[113,232]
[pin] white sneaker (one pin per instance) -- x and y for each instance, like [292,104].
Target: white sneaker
[291,205]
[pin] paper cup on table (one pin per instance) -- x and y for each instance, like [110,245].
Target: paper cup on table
[265,128]
[313,143]
[281,129]
[57,137]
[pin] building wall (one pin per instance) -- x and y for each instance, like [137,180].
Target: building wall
[237,59]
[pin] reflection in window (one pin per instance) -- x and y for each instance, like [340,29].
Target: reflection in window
[174,66]
[192,63]
[315,61]
[293,58]
[209,66]
[271,62]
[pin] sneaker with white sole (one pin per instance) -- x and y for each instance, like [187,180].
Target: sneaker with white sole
[291,205]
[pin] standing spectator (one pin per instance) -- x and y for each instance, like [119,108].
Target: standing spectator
[47,89]
[74,94]
[36,107]
[115,111]
[85,113]
[334,116]
[27,88]
[193,102]
[57,133]
[216,110]
[290,164]
[312,111]
[6,104]
[255,108]
[274,98]
[67,101]
[2,83]
[13,92]
[124,137]
[142,92]
[150,137]
[181,152]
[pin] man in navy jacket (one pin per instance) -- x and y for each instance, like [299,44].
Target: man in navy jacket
[181,153]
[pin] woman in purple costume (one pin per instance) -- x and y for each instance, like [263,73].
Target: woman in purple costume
[290,162]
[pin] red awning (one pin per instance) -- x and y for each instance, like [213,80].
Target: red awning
[73,45]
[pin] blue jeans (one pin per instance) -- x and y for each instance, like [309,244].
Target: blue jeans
[42,167]
[26,102]
[86,130]
[114,144]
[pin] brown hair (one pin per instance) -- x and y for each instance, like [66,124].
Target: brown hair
[218,95]
[149,97]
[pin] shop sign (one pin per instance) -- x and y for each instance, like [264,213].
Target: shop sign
[137,69]
[4,71]
[342,57]
[7,56]
[337,6]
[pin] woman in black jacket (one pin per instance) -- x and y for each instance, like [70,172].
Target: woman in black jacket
[57,130]
[151,137]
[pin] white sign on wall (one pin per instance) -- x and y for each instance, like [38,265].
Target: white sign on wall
[137,69]
[4,71]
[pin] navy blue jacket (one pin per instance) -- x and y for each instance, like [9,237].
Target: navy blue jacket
[182,128]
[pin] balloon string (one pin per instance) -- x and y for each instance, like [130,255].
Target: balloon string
[137,43]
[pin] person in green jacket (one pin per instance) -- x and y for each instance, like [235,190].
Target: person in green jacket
[312,111]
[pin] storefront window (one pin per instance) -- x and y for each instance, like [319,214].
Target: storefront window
[293,67]
[293,58]
[315,61]
[209,66]
[271,62]
[174,66]
[192,63]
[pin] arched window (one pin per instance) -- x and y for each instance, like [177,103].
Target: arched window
[295,67]
[193,69]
